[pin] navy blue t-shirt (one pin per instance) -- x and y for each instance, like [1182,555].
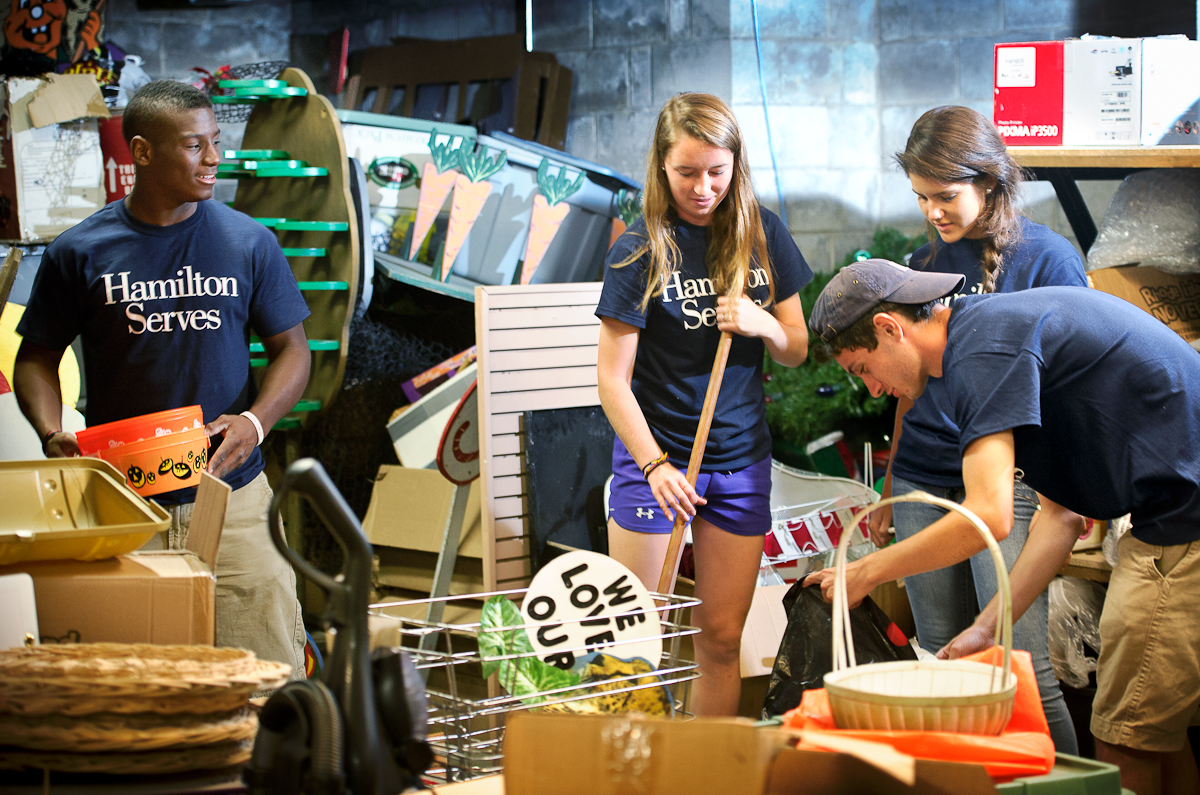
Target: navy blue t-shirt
[928,449]
[1100,396]
[165,313]
[678,344]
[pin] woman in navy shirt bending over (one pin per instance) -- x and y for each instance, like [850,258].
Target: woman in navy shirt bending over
[704,258]
[967,184]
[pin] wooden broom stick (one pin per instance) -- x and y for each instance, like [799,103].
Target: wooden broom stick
[666,581]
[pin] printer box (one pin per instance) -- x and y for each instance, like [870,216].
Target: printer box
[1028,93]
[1170,91]
[1102,87]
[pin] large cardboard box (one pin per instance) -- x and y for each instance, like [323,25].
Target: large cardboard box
[143,597]
[406,521]
[606,755]
[51,171]
[1175,300]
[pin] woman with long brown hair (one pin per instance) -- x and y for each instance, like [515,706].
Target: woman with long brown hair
[967,186]
[704,258]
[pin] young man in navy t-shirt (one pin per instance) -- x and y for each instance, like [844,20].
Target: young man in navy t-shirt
[1095,401]
[163,288]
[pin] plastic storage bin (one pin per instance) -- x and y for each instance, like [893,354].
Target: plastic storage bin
[1072,775]
[71,508]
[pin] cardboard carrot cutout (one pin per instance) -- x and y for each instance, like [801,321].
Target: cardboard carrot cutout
[548,215]
[470,192]
[437,180]
[629,207]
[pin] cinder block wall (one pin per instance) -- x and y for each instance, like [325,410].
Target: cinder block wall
[844,79]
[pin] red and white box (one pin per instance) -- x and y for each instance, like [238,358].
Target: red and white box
[1028,93]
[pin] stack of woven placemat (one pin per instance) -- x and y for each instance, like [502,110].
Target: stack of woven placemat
[129,708]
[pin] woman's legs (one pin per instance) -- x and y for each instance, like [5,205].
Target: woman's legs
[1030,633]
[726,576]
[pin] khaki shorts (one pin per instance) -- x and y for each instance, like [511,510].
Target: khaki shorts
[1148,676]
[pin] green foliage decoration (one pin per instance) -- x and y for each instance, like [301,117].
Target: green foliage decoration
[477,165]
[509,652]
[806,402]
[557,189]
[629,205]
[444,155]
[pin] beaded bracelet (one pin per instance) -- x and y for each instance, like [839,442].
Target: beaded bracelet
[653,465]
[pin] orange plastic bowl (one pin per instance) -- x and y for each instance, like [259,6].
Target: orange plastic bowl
[98,438]
[160,464]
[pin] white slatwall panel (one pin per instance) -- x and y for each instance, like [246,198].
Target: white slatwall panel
[537,350]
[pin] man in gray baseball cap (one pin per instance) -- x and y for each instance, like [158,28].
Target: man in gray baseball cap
[1098,404]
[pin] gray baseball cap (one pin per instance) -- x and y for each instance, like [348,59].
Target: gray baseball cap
[861,286]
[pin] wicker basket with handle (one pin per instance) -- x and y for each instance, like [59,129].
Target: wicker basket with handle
[953,696]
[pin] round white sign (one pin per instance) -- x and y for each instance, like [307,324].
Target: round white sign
[458,453]
[583,602]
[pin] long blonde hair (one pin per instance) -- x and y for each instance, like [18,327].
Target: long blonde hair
[953,144]
[735,236]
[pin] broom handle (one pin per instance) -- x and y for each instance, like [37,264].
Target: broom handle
[666,581]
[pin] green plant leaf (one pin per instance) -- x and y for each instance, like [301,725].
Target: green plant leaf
[525,676]
[494,641]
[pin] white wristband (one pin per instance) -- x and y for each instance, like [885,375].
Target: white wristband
[257,425]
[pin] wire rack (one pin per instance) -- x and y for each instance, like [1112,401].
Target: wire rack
[467,714]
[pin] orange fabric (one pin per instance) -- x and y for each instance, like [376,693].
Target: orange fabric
[1024,748]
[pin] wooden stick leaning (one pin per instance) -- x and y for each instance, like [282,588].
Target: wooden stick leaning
[666,581]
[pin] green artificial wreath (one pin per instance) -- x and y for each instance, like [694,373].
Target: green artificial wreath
[807,402]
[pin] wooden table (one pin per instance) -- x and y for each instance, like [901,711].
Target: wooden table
[1062,167]
[1088,565]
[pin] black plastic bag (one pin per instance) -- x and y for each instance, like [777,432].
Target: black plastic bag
[806,652]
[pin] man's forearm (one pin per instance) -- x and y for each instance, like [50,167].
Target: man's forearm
[36,385]
[283,384]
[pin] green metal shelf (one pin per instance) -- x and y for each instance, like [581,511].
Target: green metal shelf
[255,154]
[256,346]
[323,285]
[304,252]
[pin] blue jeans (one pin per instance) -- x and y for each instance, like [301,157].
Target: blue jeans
[946,601]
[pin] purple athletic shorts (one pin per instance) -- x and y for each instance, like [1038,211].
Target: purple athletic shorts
[738,502]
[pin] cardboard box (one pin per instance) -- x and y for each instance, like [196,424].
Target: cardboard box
[1028,93]
[406,522]
[143,597]
[1175,300]
[594,755]
[605,755]
[1102,87]
[417,430]
[51,172]
[1170,91]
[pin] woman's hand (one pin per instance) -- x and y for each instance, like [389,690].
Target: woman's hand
[744,317]
[858,585]
[673,492]
[881,520]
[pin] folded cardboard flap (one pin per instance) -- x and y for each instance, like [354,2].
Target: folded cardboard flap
[410,509]
[208,518]
[143,597]
[66,98]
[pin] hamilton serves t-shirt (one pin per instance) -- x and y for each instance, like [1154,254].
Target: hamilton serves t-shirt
[165,312]
[1100,397]
[927,452]
[678,343]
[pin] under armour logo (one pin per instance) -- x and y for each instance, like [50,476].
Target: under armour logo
[645,513]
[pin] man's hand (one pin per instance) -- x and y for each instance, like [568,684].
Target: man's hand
[62,445]
[972,639]
[858,585]
[240,440]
